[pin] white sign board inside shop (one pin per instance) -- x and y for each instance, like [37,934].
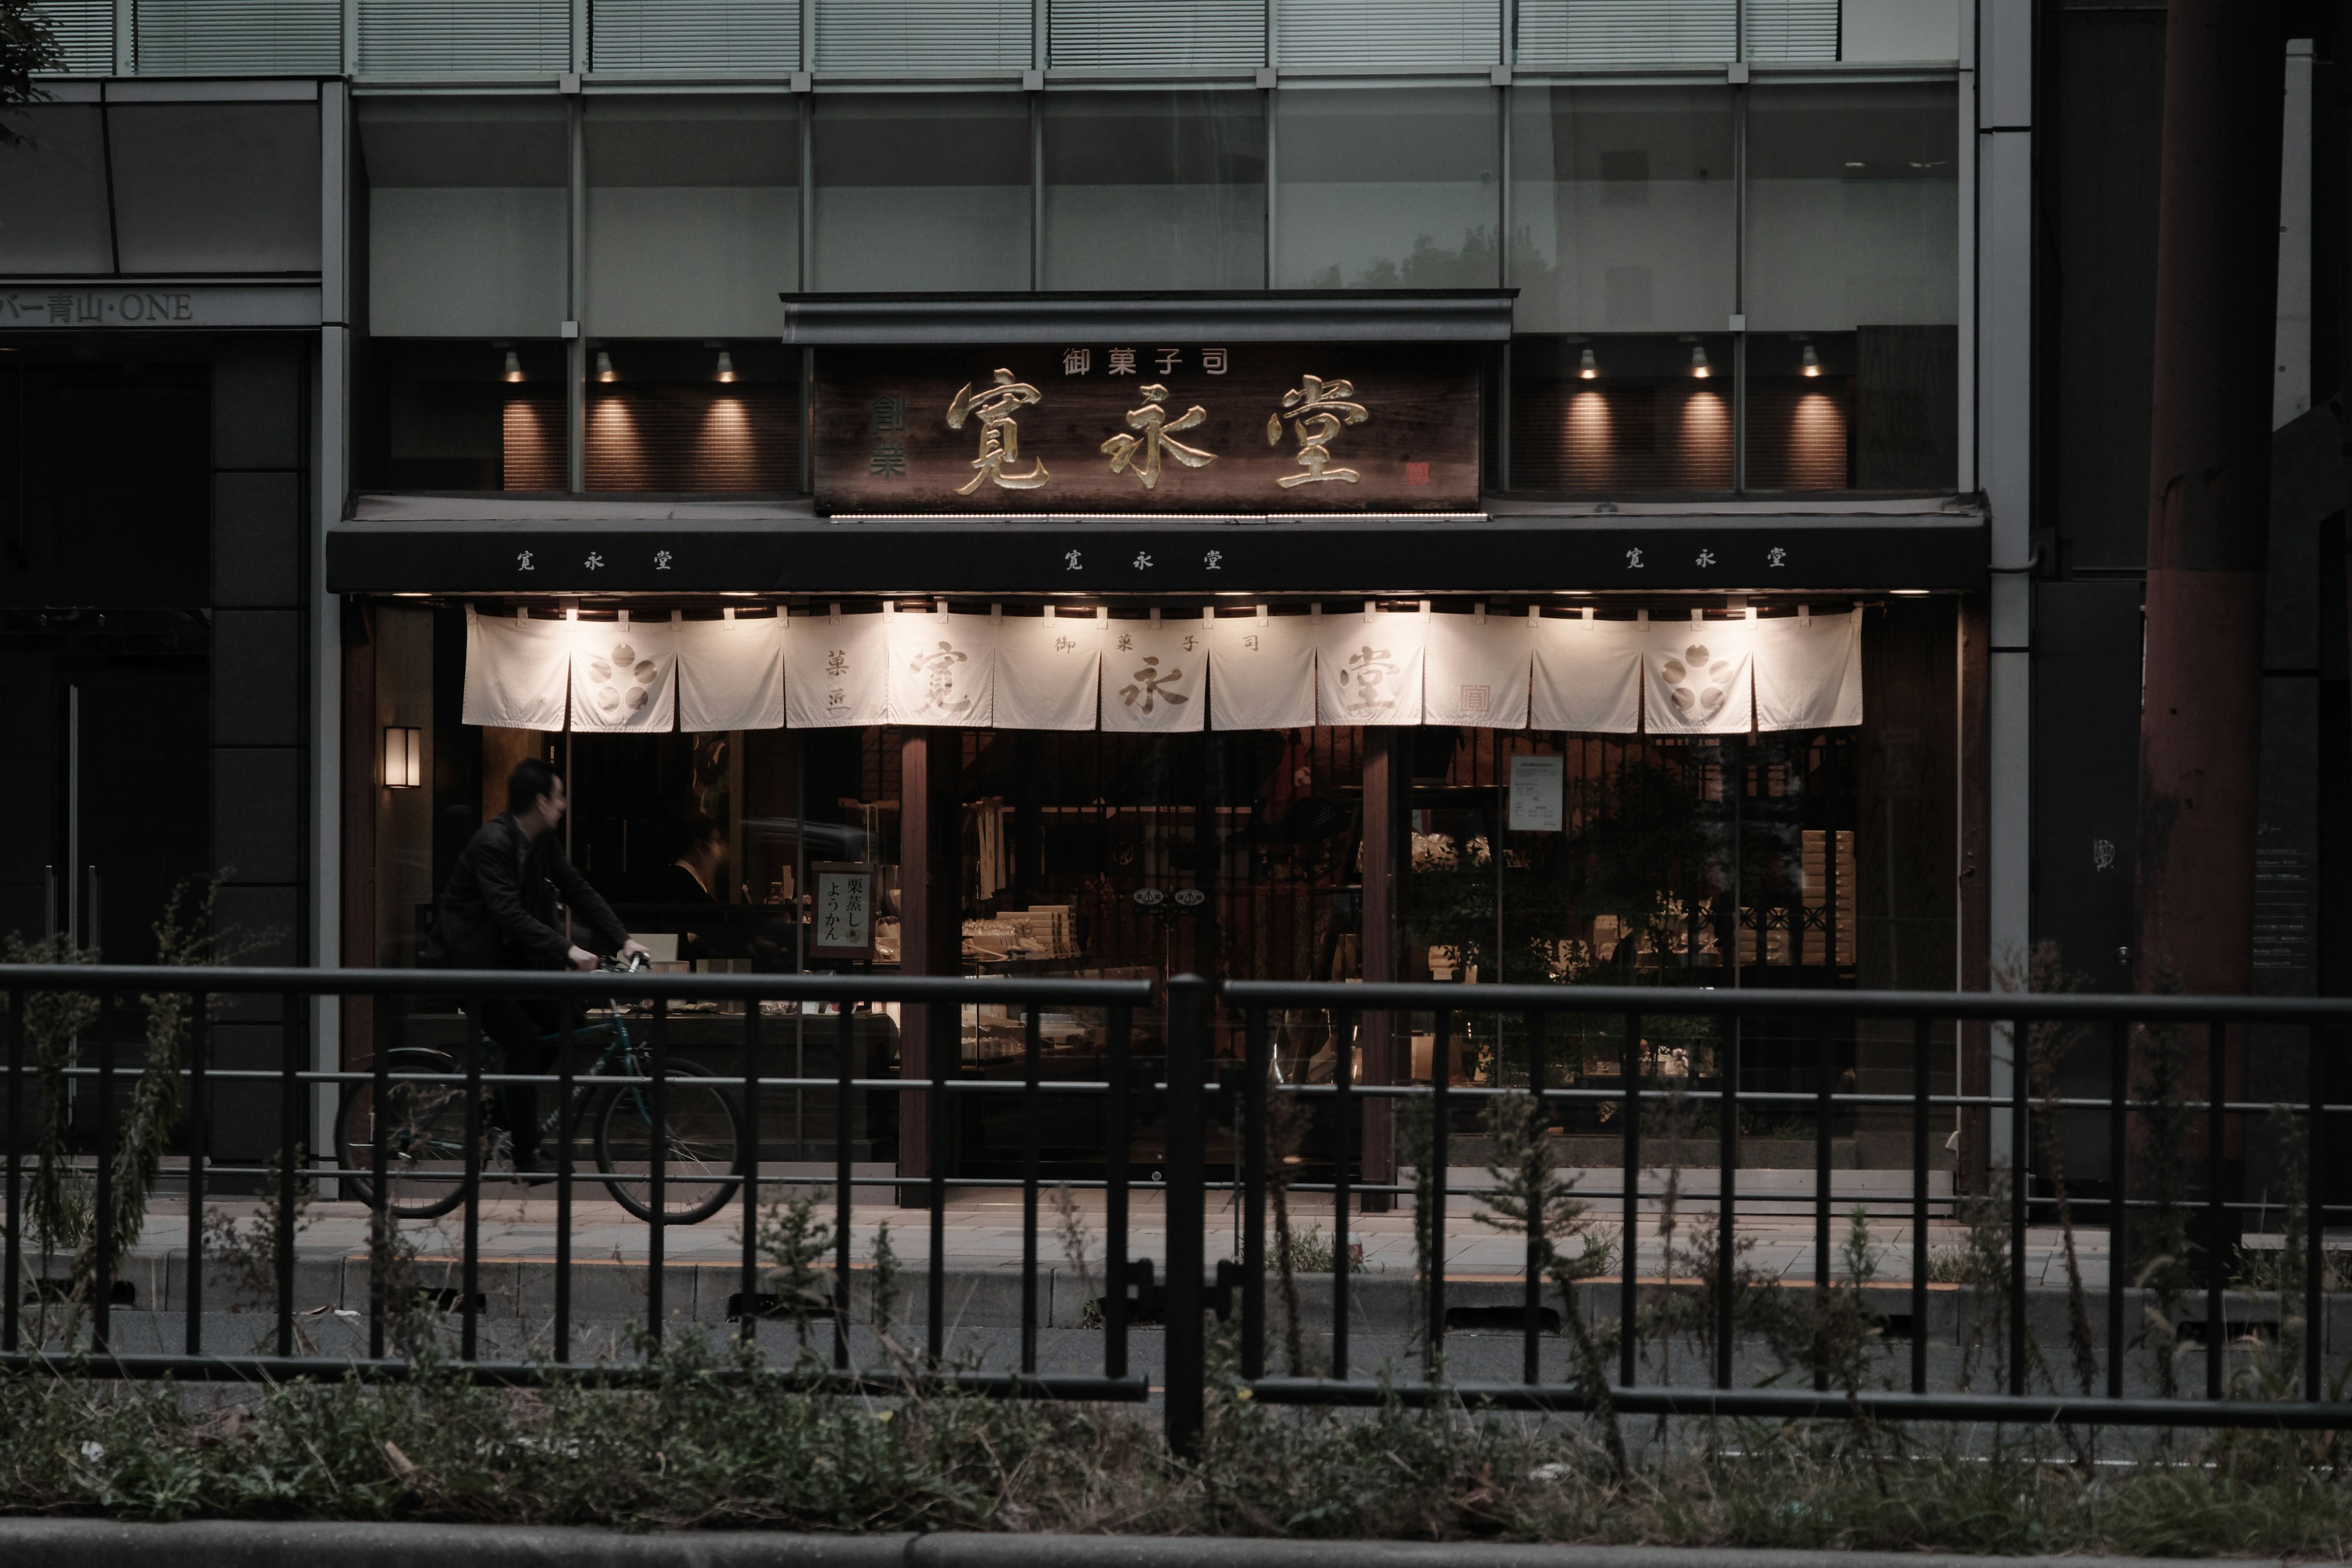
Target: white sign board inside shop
[1537,784]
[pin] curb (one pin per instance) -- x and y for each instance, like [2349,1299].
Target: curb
[238,1543]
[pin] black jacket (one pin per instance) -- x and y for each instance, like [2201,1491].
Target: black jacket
[498,910]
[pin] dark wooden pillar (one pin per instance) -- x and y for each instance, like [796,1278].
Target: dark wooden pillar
[1387,773]
[930,922]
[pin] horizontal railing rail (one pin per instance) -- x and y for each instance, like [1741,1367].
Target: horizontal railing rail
[1212,1068]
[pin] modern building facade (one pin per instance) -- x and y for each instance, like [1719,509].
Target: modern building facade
[357,354]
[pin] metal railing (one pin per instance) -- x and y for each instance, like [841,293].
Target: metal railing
[1242,1094]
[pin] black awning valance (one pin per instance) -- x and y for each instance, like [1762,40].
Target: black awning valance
[1390,555]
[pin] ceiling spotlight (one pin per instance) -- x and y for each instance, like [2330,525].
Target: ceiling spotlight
[1699,367]
[1586,366]
[1813,363]
[514,365]
[605,371]
[726,365]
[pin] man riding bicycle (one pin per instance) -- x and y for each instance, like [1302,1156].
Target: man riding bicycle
[501,911]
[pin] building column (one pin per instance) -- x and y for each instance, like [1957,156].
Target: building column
[930,923]
[2000,67]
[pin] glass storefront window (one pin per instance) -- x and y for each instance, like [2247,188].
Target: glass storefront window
[1624,209]
[1386,188]
[693,214]
[53,214]
[452,416]
[468,225]
[714,415]
[1800,859]
[215,188]
[1155,190]
[921,191]
[1607,413]
[1853,286]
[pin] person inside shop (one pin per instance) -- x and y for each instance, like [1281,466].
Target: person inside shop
[692,880]
[692,877]
[500,910]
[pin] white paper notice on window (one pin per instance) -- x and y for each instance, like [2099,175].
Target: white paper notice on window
[1537,786]
[845,911]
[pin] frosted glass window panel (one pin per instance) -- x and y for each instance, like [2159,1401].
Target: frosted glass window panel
[1852,207]
[693,216]
[1389,188]
[1155,190]
[216,187]
[1625,32]
[467,217]
[921,191]
[1624,211]
[1904,30]
[53,192]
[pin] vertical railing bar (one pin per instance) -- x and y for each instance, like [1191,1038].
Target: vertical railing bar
[1824,1105]
[2217,1333]
[1922,1038]
[2017,1165]
[14,1265]
[2314,1325]
[199,1119]
[1184,1404]
[571,1113]
[945,1021]
[1250,1126]
[380,1220]
[1440,1104]
[844,1069]
[101,1316]
[469,1274]
[747,1321]
[1629,1288]
[657,1182]
[1120,1132]
[2119,1215]
[1531,1326]
[1029,1160]
[1344,1142]
[289,1151]
[1727,1202]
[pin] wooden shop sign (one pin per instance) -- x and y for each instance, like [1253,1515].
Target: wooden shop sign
[1028,429]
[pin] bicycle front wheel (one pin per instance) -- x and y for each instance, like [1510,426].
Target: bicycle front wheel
[702,1146]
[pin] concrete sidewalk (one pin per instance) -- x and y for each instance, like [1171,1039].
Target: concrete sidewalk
[234,1543]
[983,1232]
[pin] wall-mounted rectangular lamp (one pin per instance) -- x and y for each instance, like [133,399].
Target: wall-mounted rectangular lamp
[403,758]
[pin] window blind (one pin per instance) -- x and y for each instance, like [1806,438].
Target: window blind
[1388,35]
[697,36]
[239,38]
[85,31]
[1792,30]
[465,37]
[923,38]
[1629,32]
[1148,34]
